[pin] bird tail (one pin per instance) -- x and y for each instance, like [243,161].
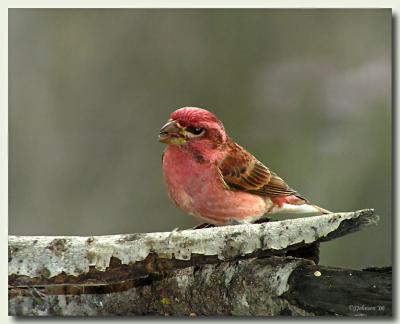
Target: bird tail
[320,209]
[295,204]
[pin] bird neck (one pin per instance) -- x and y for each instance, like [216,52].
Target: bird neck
[201,152]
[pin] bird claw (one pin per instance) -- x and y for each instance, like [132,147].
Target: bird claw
[233,222]
[262,220]
[202,225]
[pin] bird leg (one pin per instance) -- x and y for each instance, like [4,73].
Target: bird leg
[231,222]
[262,220]
[203,225]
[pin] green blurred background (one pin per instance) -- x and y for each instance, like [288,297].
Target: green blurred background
[307,91]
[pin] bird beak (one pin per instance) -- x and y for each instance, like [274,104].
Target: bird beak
[172,133]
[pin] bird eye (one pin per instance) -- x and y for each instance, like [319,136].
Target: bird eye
[195,130]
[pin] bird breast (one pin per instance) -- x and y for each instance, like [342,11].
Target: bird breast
[196,188]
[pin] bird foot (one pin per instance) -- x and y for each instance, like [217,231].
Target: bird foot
[262,220]
[233,222]
[203,225]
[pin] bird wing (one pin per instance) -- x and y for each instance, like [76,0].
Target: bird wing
[240,170]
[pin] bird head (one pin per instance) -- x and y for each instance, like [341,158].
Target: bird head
[192,125]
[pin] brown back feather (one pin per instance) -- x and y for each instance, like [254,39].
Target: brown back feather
[240,170]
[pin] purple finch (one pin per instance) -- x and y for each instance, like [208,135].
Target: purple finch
[209,176]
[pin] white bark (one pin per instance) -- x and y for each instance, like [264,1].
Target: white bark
[49,256]
[229,270]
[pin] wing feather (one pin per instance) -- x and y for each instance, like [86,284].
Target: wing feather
[240,170]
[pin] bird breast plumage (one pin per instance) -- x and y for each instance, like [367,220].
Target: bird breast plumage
[196,187]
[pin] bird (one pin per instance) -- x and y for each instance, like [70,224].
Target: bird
[209,176]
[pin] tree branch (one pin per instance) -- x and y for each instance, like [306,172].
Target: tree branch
[37,260]
[258,287]
[205,272]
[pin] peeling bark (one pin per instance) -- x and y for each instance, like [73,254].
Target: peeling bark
[253,287]
[230,270]
[36,260]
[247,287]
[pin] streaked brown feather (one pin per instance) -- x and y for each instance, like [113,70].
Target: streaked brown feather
[240,170]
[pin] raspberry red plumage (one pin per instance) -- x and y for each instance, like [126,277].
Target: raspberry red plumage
[194,116]
[210,176]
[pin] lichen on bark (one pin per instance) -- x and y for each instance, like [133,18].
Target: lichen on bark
[52,255]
